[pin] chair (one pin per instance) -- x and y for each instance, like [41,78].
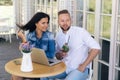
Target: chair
[90,72]
[5,30]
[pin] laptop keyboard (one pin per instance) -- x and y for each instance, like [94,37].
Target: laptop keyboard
[51,62]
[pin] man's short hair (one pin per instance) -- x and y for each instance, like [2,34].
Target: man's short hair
[63,12]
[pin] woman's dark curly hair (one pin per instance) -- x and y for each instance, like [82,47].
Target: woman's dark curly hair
[36,18]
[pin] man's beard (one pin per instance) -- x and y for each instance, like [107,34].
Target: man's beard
[65,29]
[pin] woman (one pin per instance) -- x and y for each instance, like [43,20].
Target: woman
[38,35]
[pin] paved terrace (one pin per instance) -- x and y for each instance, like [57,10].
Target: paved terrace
[8,51]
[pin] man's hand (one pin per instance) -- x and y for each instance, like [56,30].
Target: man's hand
[60,55]
[81,67]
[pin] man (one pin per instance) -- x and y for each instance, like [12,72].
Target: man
[82,49]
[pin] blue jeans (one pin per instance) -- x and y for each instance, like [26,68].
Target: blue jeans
[73,75]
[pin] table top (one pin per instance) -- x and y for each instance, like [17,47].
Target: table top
[39,70]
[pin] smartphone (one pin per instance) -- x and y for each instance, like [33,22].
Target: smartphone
[17,62]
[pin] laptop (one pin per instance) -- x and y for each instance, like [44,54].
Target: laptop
[39,56]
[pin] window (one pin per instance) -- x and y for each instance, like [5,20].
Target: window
[49,7]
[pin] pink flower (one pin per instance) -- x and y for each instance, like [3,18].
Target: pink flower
[26,47]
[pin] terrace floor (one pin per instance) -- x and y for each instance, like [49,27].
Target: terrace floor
[8,51]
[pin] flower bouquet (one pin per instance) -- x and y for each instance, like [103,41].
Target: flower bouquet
[26,47]
[26,50]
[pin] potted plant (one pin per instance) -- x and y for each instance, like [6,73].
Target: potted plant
[26,50]
[65,47]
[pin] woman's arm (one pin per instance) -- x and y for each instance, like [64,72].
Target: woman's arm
[22,36]
[51,49]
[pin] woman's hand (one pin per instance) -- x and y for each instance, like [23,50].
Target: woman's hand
[22,36]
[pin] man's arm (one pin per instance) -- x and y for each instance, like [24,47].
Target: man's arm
[92,54]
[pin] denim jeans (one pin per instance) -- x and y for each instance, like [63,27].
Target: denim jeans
[73,75]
